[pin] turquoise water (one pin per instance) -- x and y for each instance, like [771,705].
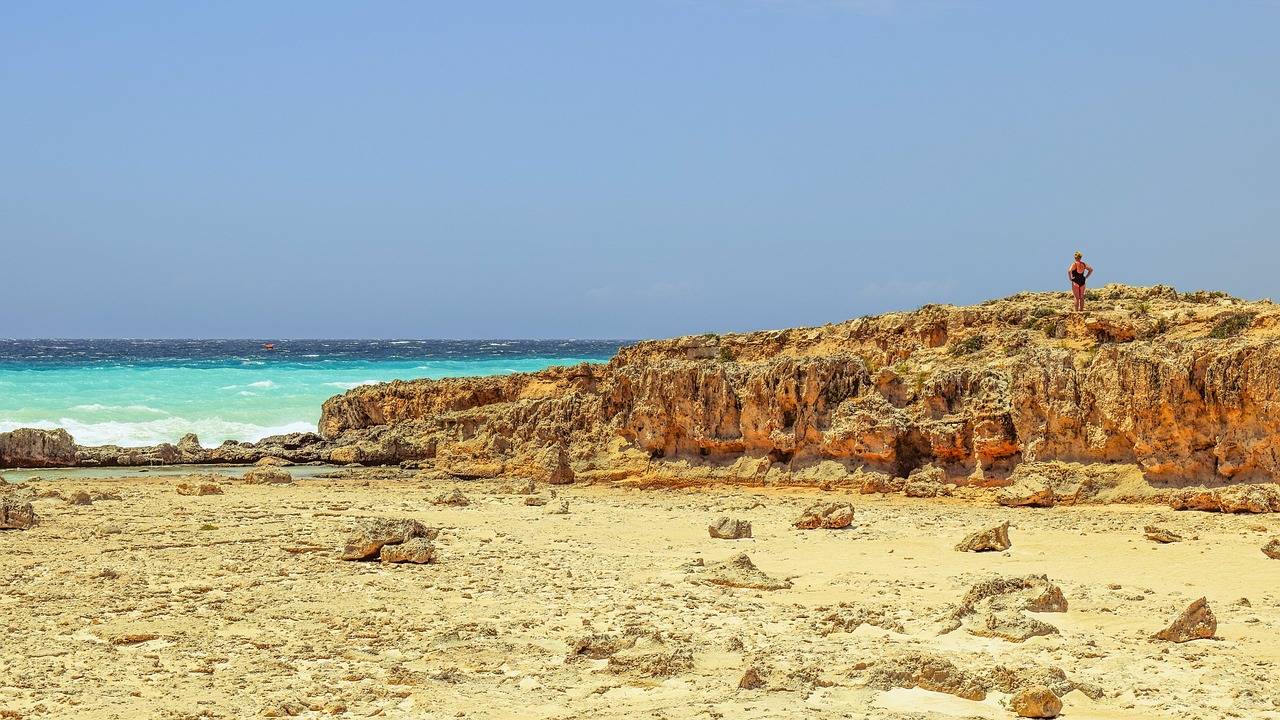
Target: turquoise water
[128,392]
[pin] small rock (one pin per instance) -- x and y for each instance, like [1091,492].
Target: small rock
[751,680]
[80,497]
[273,461]
[536,500]
[1272,549]
[416,550]
[201,489]
[832,515]
[524,486]
[17,516]
[1195,623]
[739,571]
[993,539]
[1036,702]
[267,476]
[453,497]
[1161,535]
[1028,491]
[727,528]
[558,508]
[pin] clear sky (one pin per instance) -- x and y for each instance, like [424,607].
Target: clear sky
[625,168]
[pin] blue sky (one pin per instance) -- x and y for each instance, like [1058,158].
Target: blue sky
[619,169]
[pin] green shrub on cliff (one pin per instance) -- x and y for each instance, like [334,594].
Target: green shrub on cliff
[1232,325]
[968,346]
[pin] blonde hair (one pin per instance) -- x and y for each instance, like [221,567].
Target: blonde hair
[1078,256]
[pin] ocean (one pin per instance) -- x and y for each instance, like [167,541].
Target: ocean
[145,392]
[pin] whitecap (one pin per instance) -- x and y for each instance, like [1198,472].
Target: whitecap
[262,384]
[350,385]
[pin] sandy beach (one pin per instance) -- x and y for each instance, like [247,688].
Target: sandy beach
[150,604]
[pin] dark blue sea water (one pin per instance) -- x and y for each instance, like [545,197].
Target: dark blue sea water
[143,392]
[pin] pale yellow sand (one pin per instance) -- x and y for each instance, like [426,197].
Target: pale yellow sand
[254,613]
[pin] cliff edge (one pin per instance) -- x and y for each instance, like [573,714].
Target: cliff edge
[1184,388]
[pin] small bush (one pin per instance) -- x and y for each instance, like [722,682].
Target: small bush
[208,527]
[1043,312]
[726,354]
[1232,325]
[969,345]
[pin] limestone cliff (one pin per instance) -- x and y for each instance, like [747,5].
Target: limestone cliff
[1186,388]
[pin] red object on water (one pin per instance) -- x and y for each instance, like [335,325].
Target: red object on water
[269,346]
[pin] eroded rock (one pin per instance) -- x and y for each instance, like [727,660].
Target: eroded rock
[1272,549]
[1160,534]
[368,541]
[16,515]
[452,497]
[206,488]
[267,475]
[994,539]
[1196,622]
[927,671]
[414,550]
[727,528]
[1027,491]
[833,515]
[1036,702]
[739,571]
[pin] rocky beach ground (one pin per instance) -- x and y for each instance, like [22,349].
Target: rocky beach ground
[131,600]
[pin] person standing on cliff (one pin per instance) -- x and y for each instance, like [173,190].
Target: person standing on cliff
[1079,272]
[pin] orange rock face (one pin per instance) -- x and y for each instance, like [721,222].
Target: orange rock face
[1146,378]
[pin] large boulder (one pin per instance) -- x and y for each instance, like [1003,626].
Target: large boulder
[1027,491]
[29,447]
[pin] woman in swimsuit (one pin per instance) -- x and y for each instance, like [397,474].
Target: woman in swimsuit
[1079,272]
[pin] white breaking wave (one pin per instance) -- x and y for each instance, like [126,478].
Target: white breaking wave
[350,385]
[96,407]
[262,384]
[212,432]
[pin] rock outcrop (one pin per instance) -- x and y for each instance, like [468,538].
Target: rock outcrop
[1141,384]
[28,447]
[1148,389]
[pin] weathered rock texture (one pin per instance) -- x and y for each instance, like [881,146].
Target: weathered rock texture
[369,540]
[1136,383]
[17,515]
[831,515]
[27,447]
[1195,623]
[1036,702]
[727,528]
[739,571]
[993,539]
[1171,390]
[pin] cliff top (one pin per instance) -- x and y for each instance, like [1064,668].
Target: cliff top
[1005,326]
